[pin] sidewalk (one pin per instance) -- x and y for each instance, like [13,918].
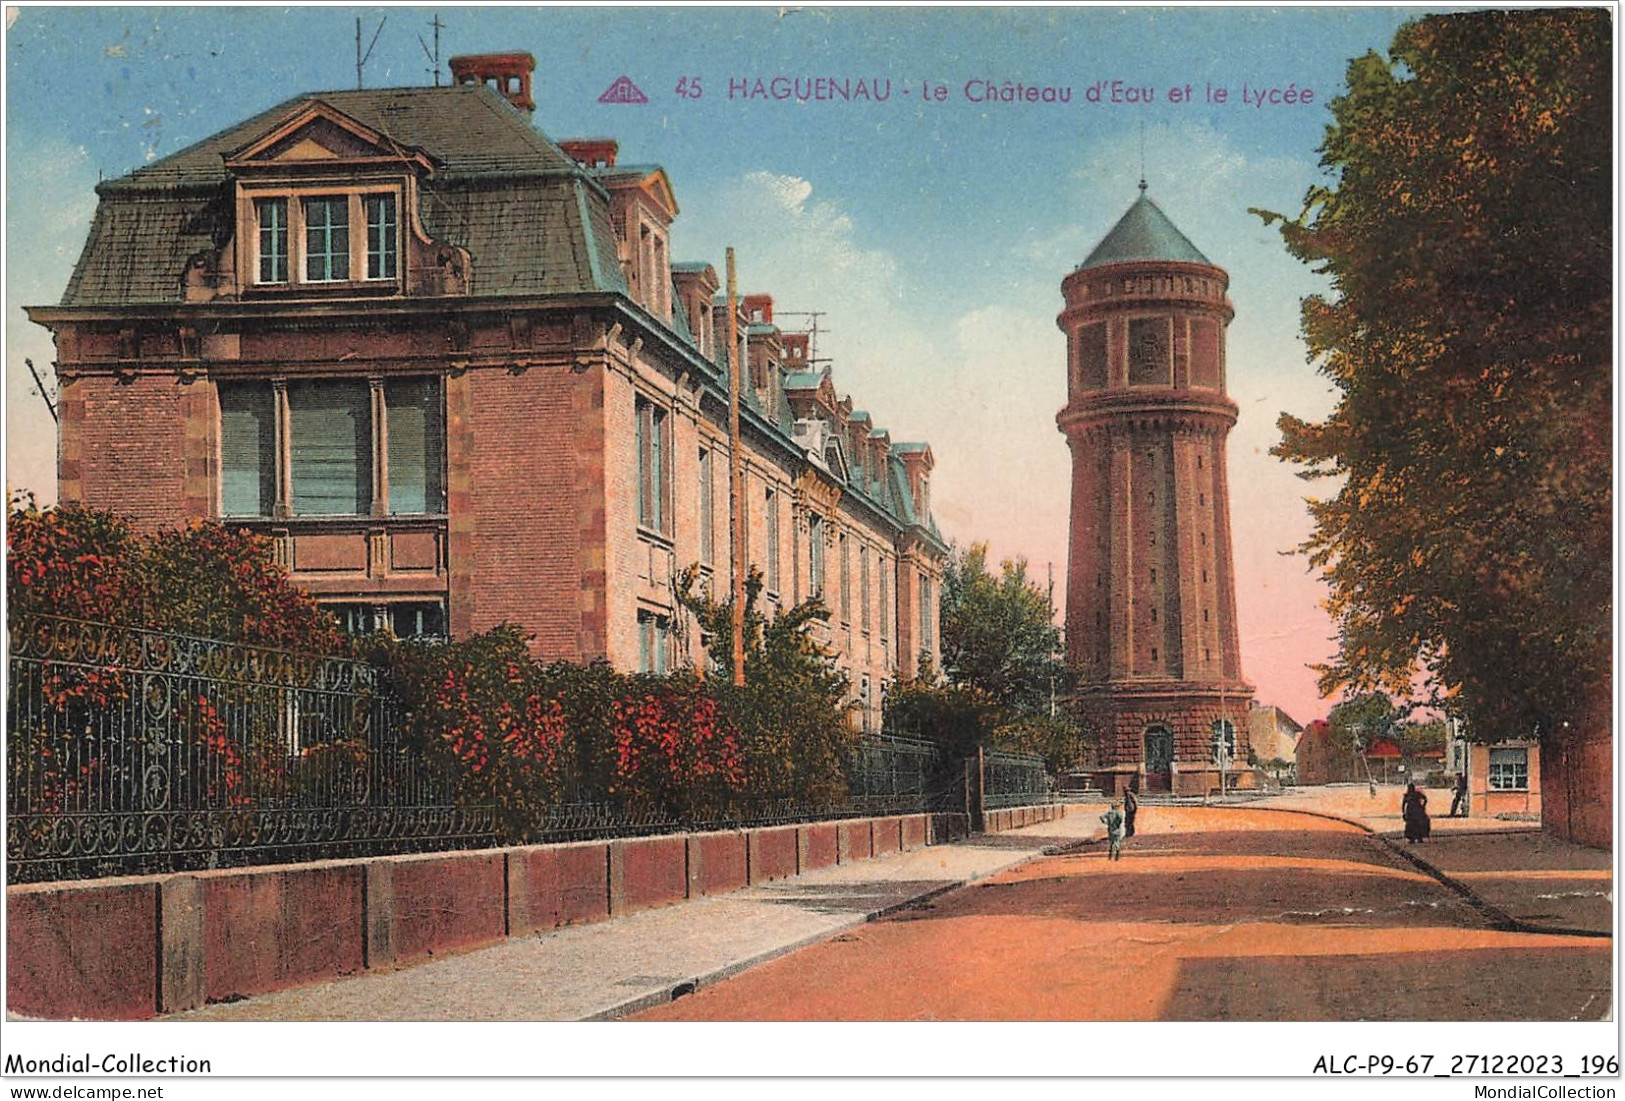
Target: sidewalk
[1517,875]
[613,968]
[1514,874]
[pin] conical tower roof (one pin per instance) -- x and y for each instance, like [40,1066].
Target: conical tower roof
[1144,233]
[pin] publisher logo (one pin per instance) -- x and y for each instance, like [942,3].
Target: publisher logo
[623,91]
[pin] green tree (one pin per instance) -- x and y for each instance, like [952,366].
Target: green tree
[1001,657]
[999,633]
[1466,233]
[1360,720]
[792,710]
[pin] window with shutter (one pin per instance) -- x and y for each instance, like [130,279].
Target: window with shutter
[416,445]
[707,520]
[330,442]
[772,521]
[815,555]
[247,449]
[654,478]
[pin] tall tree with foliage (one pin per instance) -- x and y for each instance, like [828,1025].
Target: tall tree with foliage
[1467,237]
[1001,657]
[999,633]
[791,712]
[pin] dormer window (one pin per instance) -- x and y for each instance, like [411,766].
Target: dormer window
[273,219]
[307,239]
[382,236]
[327,240]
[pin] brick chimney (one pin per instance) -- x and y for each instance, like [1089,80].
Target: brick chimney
[758,309]
[795,350]
[508,73]
[591,152]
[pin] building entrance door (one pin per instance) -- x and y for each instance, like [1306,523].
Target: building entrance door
[1159,758]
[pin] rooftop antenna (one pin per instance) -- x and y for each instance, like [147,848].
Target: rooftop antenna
[43,392]
[361,58]
[434,56]
[812,331]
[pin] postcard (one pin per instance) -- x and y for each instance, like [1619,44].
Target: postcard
[1084,522]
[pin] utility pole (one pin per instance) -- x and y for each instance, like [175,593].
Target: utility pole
[736,530]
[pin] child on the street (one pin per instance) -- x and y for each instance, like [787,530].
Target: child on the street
[1113,818]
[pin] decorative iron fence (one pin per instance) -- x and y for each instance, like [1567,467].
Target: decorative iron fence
[133,751]
[1015,780]
[892,775]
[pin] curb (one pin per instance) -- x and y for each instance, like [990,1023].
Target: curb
[1498,918]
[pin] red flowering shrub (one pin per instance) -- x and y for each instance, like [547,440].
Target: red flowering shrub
[673,752]
[333,773]
[206,579]
[75,562]
[479,711]
[216,582]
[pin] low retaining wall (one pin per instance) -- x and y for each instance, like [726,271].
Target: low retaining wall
[1013,818]
[133,948]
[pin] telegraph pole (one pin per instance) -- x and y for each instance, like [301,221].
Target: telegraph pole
[736,530]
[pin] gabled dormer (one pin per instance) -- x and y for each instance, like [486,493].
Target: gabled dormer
[642,208]
[696,285]
[811,395]
[917,463]
[858,451]
[325,205]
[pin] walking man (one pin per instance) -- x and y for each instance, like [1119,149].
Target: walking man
[1459,803]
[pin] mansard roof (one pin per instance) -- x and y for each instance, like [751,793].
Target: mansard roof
[531,218]
[1144,232]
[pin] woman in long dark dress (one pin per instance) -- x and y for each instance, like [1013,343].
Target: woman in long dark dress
[1414,809]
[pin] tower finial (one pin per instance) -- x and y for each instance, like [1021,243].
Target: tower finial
[1142,156]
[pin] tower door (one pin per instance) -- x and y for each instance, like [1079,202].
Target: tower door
[1159,758]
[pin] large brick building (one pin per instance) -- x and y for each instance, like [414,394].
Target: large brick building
[1150,595]
[450,367]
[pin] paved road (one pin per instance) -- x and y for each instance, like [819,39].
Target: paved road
[1213,914]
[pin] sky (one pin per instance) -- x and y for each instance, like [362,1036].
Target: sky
[931,228]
